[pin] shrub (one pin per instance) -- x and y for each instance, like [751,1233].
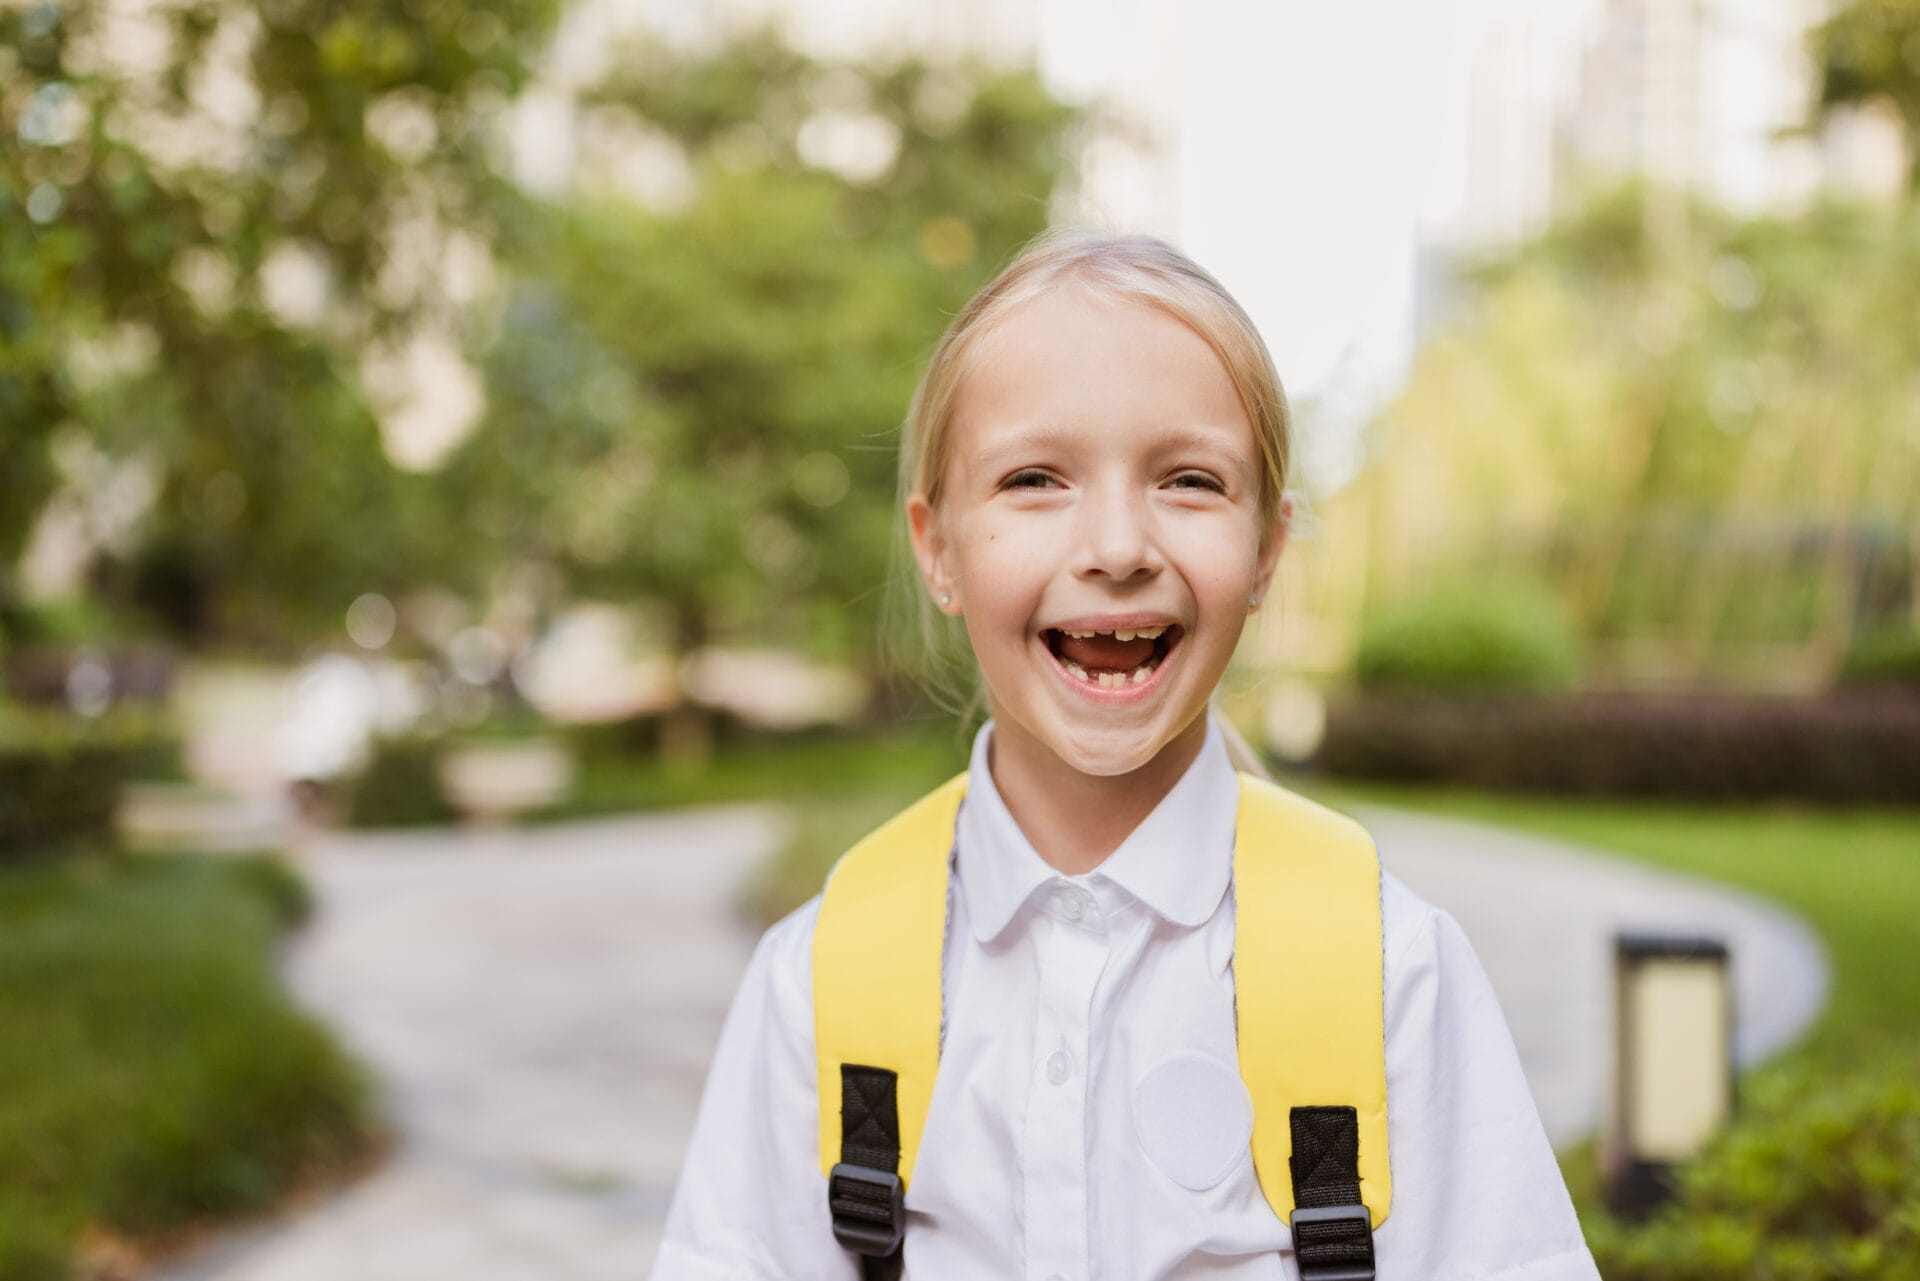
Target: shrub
[1889,657]
[277,885]
[61,775]
[170,1081]
[1500,637]
[400,786]
[1816,1180]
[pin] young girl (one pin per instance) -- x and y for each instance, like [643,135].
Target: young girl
[1094,473]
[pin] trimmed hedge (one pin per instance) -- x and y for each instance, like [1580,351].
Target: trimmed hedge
[1844,748]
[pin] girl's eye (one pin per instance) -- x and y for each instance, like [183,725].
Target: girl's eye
[1033,479]
[1205,481]
[1028,479]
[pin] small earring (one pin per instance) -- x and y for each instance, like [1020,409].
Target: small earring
[1253,600]
[944,598]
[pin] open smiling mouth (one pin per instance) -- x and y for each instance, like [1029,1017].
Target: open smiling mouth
[1104,660]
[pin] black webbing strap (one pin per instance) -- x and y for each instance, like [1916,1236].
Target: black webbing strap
[1332,1230]
[864,1193]
[869,1118]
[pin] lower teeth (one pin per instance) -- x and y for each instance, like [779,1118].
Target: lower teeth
[1112,680]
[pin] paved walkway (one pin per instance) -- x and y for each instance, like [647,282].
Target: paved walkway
[1542,916]
[540,1007]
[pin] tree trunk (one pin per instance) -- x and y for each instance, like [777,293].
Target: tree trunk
[686,733]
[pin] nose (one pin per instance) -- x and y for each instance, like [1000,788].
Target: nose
[1116,539]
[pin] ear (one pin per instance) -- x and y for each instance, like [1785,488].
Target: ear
[930,549]
[1274,540]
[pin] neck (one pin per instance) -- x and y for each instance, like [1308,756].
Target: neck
[1075,820]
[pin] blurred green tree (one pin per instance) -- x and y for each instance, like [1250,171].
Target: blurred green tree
[1711,435]
[212,217]
[1869,50]
[694,398]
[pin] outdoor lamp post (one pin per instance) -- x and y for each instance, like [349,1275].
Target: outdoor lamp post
[1673,1063]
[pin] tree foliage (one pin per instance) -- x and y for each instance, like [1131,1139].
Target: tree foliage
[1708,434]
[181,170]
[1869,50]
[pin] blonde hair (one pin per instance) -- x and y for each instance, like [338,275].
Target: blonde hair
[1147,270]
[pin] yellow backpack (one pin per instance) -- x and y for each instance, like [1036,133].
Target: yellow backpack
[1308,995]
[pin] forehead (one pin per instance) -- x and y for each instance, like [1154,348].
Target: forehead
[1117,370]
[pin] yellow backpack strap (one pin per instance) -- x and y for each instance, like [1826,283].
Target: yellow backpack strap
[877,949]
[1310,1001]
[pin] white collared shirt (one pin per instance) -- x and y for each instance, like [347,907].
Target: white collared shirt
[1088,1120]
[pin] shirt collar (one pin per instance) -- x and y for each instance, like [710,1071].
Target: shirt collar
[1177,861]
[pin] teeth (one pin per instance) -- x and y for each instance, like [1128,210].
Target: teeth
[1140,633]
[1111,680]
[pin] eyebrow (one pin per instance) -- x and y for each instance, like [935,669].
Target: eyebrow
[1194,438]
[1027,441]
[1042,435]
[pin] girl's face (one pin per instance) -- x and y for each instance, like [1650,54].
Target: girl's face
[1102,477]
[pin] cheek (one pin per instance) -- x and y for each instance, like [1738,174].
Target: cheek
[1220,557]
[1000,545]
[1003,576]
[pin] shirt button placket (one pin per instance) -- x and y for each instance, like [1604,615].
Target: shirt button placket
[1072,953]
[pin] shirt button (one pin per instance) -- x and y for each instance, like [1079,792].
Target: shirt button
[1058,1066]
[1073,905]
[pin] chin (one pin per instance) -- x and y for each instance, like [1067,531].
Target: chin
[1104,753]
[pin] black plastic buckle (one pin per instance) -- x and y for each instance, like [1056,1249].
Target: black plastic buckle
[869,1209]
[1333,1214]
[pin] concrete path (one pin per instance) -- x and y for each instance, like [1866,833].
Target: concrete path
[540,1006]
[1542,916]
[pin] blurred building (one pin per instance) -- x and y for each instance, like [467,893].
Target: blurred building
[1711,96]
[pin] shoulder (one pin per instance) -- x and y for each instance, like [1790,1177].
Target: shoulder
[1435,983]
[783,959]
[1407,922]
[773,1001]
[1426,949]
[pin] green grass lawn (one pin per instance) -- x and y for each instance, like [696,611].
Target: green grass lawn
[154,1076]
